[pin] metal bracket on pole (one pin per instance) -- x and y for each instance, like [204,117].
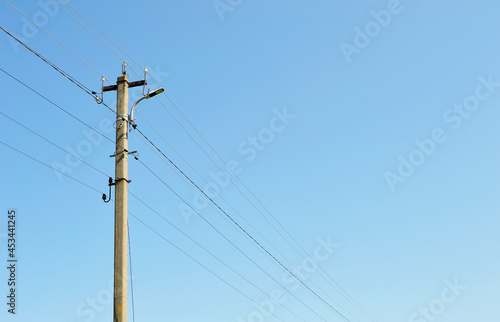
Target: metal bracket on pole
[110,183]
[124,151]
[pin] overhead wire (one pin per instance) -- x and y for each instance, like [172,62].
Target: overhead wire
[215,190]
[76,82]
[217,208]
[206,268]
[60,43]
[86,163]
[309,258]
[130,254]
[227,239]
[62,72]
[169,111]
[64,10]
[131,272]
[92,93]
[149,227]
[130,251]
[97,28]
[192,125]
[52,143]
[343,292]
[48,166]
[59,107]
[330,279]
[247,233]
[217,258]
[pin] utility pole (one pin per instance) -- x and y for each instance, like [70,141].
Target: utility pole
[121,206]
[121,184]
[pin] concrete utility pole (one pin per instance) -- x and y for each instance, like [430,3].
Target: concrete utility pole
[121,184]
[121,207]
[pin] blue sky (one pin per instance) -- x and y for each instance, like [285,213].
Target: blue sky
[368,129]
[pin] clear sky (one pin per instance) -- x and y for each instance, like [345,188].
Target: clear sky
[368,129]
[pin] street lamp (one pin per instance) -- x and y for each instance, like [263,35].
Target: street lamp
[131,117]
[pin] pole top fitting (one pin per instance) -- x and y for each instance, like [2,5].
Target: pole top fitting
[122,78]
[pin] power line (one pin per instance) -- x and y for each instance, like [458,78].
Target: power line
[246,232]
[344,292]
[57,146]
[130,251]
[73,80]
[59,107]
[149,227]
[225,238]
[346,295]
[178,248]
[131,273]
[93,35]
[232,207]
[55,39]
[214,256]
[205,267]
[62,72]
[80,86]
[48,166]
[102,33]
[219,194]
[57,4]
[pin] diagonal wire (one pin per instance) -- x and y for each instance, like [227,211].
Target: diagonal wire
[57,4]
[131,274]
[225,238]
[48,166]
[205,267]
[213,255]
[62,72]
[93,25]
[59,107]
[130,254]
[55,39]
[183,176]
[47,140]
[177,247]
[349,298]
[330,279]
[247,233]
